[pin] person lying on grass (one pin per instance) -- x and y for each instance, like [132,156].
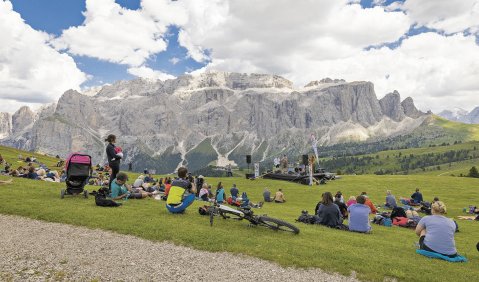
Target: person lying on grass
[436,232]
[120,190]
[10,181]
[359,216]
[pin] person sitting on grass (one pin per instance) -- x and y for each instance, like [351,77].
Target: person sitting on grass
[149,178]
[120,190]
[31,173]
[328,212]
[390,200]
[359,216]
[139,181]
[267,195]
[234,192]
[279,197]
[203,195]
[10,181]
[351,201]
[220,194]
[341,205]
[369,203]
[181,194]
[436,232]
[417,197]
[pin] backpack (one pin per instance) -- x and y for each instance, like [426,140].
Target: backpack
[102,201]
[306,218]
[378,219]
[398,212]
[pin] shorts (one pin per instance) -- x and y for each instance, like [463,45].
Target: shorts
[135,196]
[423,246]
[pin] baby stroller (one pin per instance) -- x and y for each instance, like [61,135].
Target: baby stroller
[78,169]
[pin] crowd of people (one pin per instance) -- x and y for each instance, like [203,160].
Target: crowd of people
[31,168]
[435,230]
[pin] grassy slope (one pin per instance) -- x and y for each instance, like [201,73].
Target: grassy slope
[11,156]
[388,252]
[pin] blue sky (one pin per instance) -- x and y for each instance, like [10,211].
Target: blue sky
[425,49]
[53,16]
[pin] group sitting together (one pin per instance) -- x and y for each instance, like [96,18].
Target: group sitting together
[435,231]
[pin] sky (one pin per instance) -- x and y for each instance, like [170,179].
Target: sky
[425,49]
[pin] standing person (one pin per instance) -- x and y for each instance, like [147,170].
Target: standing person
[130,166]
[276,162]
[417,197]
[436,232]
[113,158]
[229,173]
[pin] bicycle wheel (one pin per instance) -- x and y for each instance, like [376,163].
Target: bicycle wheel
[277,224]
[212,215]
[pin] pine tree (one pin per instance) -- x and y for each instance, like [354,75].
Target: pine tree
[473,172]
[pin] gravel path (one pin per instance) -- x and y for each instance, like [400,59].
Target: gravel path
[36,251]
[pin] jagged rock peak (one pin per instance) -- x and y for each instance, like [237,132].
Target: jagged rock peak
[237,81]
[22,118]
[5,125]
[410,109]
[391,106]
[324,81]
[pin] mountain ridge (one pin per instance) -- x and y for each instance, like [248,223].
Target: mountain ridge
[238,114]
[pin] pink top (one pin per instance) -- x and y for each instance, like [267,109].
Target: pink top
[351,202]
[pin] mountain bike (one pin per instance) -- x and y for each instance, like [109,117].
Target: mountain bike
[247,214]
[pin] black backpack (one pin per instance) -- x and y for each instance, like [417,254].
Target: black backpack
[398,212]
[306,218]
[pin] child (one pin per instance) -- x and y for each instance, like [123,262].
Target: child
[118,151]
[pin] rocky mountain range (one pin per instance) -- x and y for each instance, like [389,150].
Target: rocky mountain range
[196,120]
[461,115]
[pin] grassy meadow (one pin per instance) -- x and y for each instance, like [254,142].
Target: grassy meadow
[387,252]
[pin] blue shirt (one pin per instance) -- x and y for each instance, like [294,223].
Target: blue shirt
[359,218]
[417,197]
[220,195]
[391,201]
[234,192]
[439,234]
[117,190]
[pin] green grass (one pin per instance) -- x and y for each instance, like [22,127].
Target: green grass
[11,156]
[388,252]
[468,131]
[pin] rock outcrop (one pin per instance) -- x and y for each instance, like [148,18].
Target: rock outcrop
[461,115]
[5,125]
[197,120]
[22,118]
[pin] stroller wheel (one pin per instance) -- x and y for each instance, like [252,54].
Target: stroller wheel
[85,194]
[62,194]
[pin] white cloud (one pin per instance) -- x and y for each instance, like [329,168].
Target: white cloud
[31,71]
[147,72]
[174,60]
[448,16]
[115,34]
[315,39]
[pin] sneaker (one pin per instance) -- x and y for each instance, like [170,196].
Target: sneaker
[260,204]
